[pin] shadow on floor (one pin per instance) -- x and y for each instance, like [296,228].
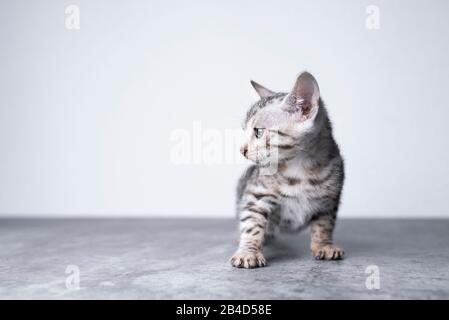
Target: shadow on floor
[279,250]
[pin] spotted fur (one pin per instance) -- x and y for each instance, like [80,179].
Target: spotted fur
[306,186]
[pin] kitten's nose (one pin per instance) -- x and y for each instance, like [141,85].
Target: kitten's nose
[244,150]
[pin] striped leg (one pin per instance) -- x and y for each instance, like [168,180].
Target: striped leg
[322,245]
[253,227]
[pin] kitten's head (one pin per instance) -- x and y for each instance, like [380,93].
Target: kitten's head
[277,123]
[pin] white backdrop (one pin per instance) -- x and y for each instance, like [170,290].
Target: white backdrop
[88,116]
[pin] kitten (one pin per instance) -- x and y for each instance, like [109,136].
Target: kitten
[291,133]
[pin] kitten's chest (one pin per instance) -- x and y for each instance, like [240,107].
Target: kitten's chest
[296,207]
[298,196]
[299,183]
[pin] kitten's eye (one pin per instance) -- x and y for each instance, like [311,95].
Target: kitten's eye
[258,132]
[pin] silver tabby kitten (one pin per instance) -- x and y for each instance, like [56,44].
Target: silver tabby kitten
[291,133]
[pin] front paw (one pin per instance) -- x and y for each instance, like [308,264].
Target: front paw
[327,252]
[248,260]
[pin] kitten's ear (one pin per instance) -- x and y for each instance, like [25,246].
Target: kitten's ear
[304,97]
[261,90]
[306,87]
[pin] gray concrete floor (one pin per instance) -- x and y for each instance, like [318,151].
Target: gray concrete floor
[187,259]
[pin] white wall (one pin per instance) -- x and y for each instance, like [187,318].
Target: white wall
[86,115]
